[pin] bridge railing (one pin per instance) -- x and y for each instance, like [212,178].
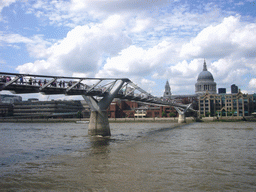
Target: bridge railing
[47,81]
[101,85]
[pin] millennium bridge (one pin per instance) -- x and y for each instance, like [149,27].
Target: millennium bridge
[97,92]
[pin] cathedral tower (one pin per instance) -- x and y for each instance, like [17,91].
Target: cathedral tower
[167,91]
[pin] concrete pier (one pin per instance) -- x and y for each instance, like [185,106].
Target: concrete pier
[182,112]
[182,118]
[99,124]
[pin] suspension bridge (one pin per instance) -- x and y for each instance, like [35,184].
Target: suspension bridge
[97,92]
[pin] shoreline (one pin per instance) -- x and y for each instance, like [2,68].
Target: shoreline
[128,120]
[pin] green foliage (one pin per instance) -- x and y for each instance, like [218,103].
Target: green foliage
[79,114]
[171,114]
[164,114]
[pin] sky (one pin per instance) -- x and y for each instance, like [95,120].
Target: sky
[147,41]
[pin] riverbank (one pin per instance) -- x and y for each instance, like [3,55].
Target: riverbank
[125,120]
[229,119]
[86,120]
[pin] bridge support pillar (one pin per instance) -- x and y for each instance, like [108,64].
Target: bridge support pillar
[99,124]
[182,118]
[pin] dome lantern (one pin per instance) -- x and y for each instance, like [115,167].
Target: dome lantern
[205,67]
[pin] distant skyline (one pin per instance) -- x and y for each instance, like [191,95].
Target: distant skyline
[148,42]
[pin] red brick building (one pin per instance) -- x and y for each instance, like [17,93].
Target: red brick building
[131,109]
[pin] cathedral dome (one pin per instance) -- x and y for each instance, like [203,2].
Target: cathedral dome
[205,76]
[205,82]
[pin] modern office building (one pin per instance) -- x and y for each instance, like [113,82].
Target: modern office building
[45,109]
[6,104]
[222,90]
[234,89]
[6,109]
[4,98]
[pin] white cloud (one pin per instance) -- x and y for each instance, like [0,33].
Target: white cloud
[141,25]
[5,3]
[39,67]
[232,70]
[252,83]
[81,51]
[115,7]
[229,37]
[184,69]
[136,61]
[77,12]
[14,38]
[36,46]
[146,84]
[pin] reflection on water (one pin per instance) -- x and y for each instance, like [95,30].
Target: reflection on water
[137,157]
[98,143]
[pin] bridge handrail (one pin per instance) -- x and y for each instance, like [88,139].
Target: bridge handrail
[62,77]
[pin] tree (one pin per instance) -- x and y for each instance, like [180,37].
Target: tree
[171,114]
[164,114]
[79,114]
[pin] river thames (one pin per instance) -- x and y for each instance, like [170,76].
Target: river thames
[213,156]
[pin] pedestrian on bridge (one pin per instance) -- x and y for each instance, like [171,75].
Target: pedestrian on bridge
[30,81]
[34,82]
[60,83]
[21,80]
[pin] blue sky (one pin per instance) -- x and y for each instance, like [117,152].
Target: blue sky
[148,42]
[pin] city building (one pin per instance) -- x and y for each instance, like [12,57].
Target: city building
[238,104]
[205,82]
[234,89]
[222,90]
[6,104]
[45,109]
[4,98]
[131,109]
[6,109]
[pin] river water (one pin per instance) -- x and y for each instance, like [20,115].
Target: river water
[137,157]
